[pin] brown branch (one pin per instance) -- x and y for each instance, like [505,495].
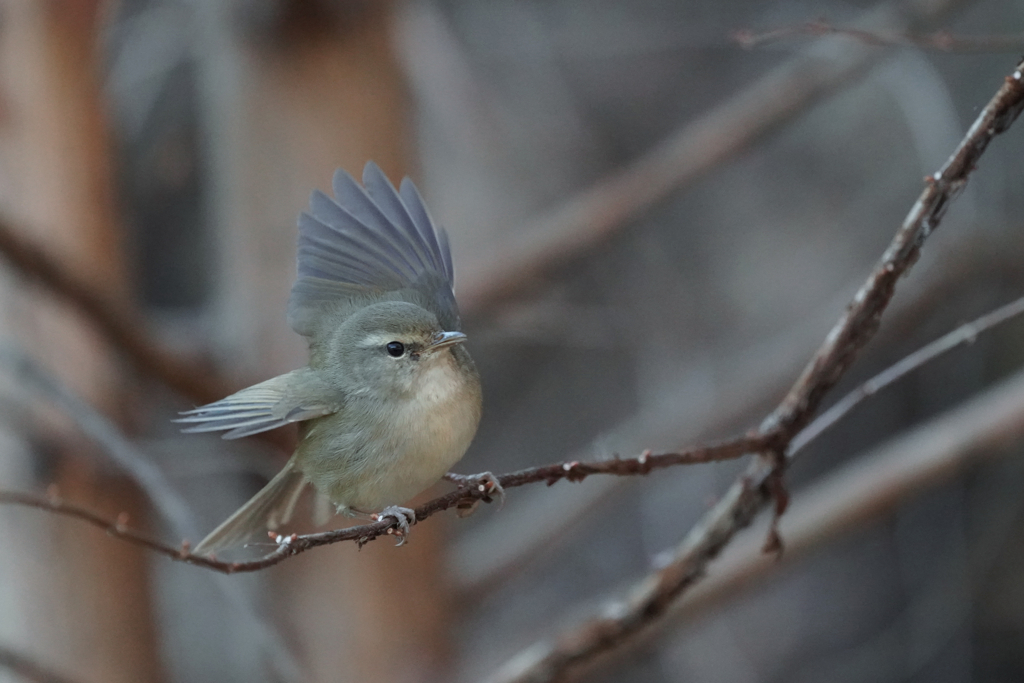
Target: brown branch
[649,599]
[364,533]
[943,41]
[29,669]
[965,334]
[870,487]
[861,319]
[122,329]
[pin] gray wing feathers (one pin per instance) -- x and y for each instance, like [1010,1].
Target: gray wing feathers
[417,209]
[368,240]
[263,407]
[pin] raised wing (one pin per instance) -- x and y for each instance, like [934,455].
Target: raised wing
[369,242]
[292,397]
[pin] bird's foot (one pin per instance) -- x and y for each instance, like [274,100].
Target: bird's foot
[484,483]
[404,518]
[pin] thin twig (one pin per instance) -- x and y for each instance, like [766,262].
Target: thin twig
[648,600]
[861,319]
[295,544]
[965,334]
[167,502]
[117,529]
[943,41]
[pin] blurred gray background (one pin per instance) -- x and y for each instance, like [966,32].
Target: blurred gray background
[653,229]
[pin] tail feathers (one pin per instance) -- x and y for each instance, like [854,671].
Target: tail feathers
[323,509]
[271,507]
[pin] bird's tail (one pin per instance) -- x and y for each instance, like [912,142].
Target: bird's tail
[268,509]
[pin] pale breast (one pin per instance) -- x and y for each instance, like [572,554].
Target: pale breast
[443,415]
[422,436]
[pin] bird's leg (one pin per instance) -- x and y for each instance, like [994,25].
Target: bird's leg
[485,483]
[404,518]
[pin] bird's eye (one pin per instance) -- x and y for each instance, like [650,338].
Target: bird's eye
[395,349]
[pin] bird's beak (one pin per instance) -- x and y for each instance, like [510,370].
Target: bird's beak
[443,339]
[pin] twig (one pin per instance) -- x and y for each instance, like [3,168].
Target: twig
[861,319]
[161,494]
[295,544]
[965,334]
[29,669]
[122,329]
[117,529]
[649,599]
[943,41]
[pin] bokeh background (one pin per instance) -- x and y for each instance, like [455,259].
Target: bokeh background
[653,227]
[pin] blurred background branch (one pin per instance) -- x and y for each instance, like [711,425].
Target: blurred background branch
[940,40]
[29,670]
[125,331]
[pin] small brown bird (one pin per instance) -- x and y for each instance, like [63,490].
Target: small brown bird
[391,398]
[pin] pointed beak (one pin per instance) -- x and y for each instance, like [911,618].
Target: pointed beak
[443,339]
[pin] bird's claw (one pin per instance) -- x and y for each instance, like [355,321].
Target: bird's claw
[484,483]
[404,518]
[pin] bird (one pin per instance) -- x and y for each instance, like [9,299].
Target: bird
[390,398]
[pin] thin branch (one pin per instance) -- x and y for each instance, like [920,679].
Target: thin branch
[965,334]
[988,425]
[117,529]
[943,41]
[29,669]
[167,502]
[122,329]
[289,546]
[860,322]
[648,600]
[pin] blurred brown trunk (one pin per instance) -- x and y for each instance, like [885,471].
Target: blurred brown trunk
[322,89]
[87,605]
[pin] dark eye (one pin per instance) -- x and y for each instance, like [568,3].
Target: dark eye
[395,349]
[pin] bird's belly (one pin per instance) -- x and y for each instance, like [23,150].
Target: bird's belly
[407,448]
